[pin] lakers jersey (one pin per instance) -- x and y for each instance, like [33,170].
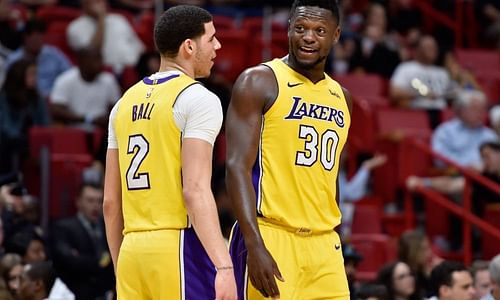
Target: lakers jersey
[149,149]
[302,137]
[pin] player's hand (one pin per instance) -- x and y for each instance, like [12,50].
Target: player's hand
[262,269]
[225,285]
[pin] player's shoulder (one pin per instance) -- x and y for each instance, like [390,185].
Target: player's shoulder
[199,91]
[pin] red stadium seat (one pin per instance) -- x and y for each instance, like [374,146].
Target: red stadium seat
[224,22]
[51,14]
[367,218]
[232,57]
[364,85]
[60,140]
[376,249]
[56,36]
[491,245]
[478,60]
[489,80]
[394,127]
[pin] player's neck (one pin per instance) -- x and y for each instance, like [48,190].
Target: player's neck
[314,74]
[171,65]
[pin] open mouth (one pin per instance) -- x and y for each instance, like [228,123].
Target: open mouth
[307,50]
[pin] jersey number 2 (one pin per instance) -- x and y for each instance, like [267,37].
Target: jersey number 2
[139,146]
[327,151]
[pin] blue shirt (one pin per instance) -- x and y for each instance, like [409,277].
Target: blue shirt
[460,143]
[50,63]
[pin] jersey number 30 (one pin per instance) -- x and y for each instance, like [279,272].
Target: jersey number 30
[139,146]
[327,150]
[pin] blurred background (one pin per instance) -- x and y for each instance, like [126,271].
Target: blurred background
[421,169]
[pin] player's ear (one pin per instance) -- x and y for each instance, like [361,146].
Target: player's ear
[189,46]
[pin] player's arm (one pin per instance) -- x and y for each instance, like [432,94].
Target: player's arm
[253,93]
[112,205]
[202,114]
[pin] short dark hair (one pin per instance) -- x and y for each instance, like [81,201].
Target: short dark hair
[493,145]
[331,5]
[442,274]
[177,24]
[43,271]
[369,290]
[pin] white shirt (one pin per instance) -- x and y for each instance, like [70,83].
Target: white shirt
[88,99]
[121,46]
[197,113]
[60,291]
[434,77]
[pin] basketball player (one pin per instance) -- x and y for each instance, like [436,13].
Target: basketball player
[158,169]
[286,127]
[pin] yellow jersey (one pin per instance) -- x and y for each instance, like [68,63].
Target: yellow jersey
[302,136]
[149,149]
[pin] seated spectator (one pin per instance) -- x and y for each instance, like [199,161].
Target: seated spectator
[481,195]
[398,280]
[20,211]
[489,17]
[415,250]
[494,269]
[98,29]
[50,61]
[459,140]
[80,250]
[377,51]
[451,281]
[351,260]
[420,83]
[20,108]
[371,291]
[481,278]
[354,189]
[39,282]
[28,244]
[84,95]
[11,267]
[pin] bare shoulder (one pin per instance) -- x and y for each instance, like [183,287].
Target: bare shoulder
[257,82]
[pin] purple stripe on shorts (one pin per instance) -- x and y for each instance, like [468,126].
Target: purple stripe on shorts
[256,172]
[238,252]
[199,271]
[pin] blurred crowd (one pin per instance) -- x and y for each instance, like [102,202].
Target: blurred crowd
[107,46]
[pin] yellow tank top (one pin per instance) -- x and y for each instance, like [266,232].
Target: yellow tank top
[149,149]
[303,134]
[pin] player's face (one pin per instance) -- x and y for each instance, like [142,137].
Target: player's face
[206,46]
[311,34]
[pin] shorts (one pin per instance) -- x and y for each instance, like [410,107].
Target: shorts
[312,266]
[164,264]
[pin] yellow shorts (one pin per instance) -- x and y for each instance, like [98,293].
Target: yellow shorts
[312,266]
[164,264]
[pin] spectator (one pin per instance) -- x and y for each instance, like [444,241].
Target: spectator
[451,281]
[420,83]
[20,210]
[111,33]
[11,267]
[84,95]
[351,260]
[494,269]
[481,196]
[355,189]
[39,282]
[371,291]
[481,278]
[377,50]
[459,140]
[80,250]
[50,61]
[461,78]
[399,281]
[28,244]
[20,108]
[488,12]
[415,250]
[494,117]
